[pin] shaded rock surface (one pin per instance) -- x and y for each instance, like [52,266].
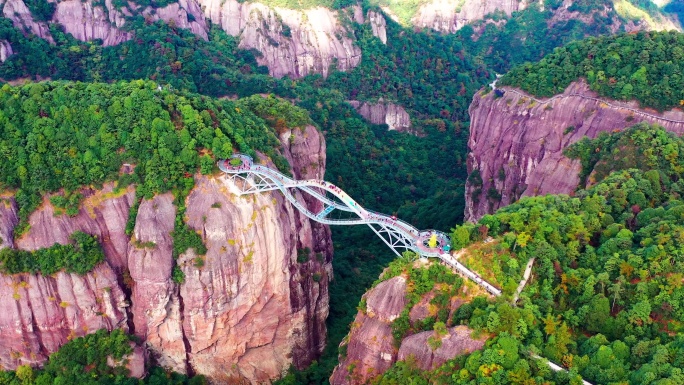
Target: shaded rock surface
[449,16]
[393,115]
[292,42]
[457,342]
[134,361]
[370,348]
[370,345]
[249,313]
[517,143]
[22,19]
[89,20]
[5,50]
[378,25]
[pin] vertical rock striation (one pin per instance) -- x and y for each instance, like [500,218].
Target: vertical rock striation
[254,305]
[293,43]
[448,16]
[370,345]
[41,313]
[517,142]
[393,115]
[90,20]
[5,50]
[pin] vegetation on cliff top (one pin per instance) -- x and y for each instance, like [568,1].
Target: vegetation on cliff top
[66,135]
[645,66]
[80,257]
[607,297]
[85,360]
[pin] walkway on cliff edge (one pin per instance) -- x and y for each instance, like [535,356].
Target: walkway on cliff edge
[396,233]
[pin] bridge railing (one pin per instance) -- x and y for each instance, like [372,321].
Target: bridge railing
[397,223]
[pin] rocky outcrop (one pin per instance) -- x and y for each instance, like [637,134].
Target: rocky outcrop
[5,50]
[22,19]
[378,25]
[86,21]
[186,14]
[449,16]
[291,42]
[370,345]
[370,349]
[246,311]
[456,342]
[393,115]
[42,313]
[90,20]
[517,142]
[632,18]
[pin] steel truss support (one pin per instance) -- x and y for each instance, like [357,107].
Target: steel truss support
[396,240]
[254,183]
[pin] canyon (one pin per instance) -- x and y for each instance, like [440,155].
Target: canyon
[247,313]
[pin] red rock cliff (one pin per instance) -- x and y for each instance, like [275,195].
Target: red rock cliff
[248,314]
[517,142]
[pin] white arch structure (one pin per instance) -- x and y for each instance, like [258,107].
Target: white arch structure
[397,234]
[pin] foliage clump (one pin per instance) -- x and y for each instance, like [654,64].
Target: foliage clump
[607,294]
[80,257]
[84,360]
[420,281]
[65,135]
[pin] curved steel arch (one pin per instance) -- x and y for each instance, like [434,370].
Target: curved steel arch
[397,234]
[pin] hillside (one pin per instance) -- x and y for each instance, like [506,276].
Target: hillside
[316,58]
[642,66]
[605,296]
[115,217]
[518,133]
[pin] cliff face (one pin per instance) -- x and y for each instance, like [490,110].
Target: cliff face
[449,16]
[378,25]
[370,349]
[247,314]
[294,43]
[40,313]
[517,142]
[395,116]
[22,19]
[5,50]
[370,345]
[89,20]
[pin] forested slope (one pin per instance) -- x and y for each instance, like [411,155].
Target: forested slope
[607,295]
[415,177]
[646,66]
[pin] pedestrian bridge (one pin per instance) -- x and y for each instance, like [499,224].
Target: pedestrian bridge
[338,208]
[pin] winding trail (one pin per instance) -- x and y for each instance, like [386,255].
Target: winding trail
[523,282]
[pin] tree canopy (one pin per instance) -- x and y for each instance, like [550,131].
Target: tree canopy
[644,66]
